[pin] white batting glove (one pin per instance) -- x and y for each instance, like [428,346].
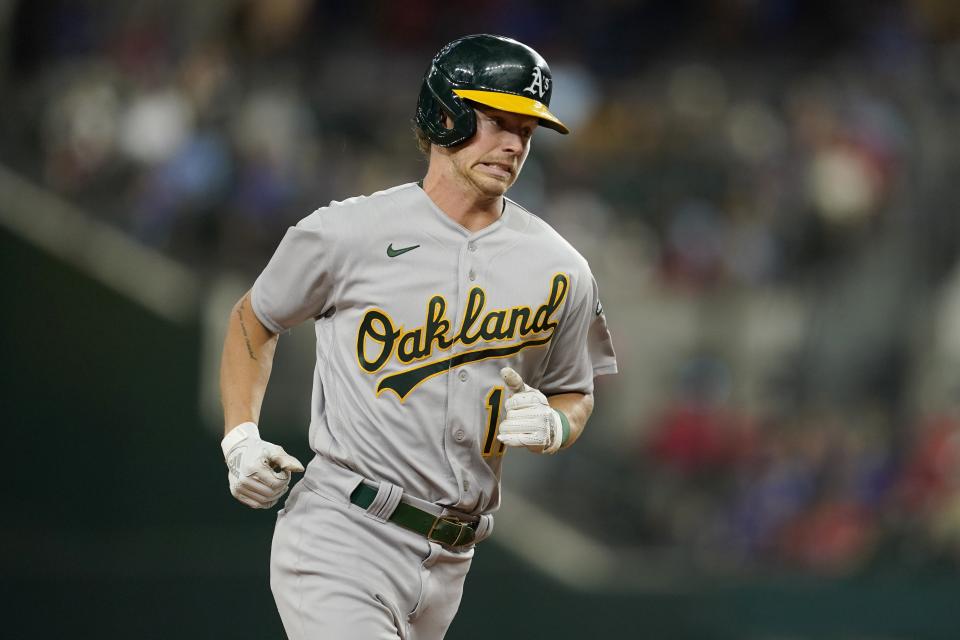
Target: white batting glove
[259,471]
[530,421]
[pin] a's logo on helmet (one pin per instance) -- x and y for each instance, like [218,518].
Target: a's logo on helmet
[540,83]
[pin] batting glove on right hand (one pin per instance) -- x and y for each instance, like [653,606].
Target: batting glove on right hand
[259,471]
[530,421]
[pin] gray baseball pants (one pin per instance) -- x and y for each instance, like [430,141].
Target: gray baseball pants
[338,573]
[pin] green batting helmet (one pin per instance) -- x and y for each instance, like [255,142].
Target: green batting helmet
[492,70]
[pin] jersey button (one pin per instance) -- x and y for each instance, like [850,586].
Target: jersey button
[472,275]
[463,376]
[459,435]
[472,247]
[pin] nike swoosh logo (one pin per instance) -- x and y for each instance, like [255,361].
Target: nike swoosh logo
[393,253]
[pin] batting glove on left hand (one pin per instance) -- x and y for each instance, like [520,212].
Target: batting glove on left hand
[259,470]
[530,421]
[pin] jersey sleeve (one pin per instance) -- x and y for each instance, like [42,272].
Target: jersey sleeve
[297,283]
[582,349]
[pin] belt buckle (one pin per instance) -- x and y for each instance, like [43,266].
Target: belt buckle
[448,520]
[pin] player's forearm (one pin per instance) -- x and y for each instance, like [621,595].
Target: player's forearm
[245,366]
[577,407]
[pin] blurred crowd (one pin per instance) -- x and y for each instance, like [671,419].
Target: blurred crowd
[718,146]
[718,489]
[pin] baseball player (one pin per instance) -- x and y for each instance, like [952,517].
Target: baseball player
[452,325]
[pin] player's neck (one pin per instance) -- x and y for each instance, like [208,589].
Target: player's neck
[464,205]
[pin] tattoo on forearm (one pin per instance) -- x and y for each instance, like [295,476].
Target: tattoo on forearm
[243,328]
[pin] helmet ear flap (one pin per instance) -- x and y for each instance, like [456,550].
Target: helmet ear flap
[437,100]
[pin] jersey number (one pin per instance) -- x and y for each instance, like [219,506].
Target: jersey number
[493,419]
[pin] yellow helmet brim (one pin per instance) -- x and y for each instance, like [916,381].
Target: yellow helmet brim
[514,104]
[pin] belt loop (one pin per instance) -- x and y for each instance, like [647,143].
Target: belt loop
[484,527]
[387,498]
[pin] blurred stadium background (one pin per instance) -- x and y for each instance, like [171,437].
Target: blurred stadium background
[767,193]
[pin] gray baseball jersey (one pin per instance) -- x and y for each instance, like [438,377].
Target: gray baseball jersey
[414,317]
